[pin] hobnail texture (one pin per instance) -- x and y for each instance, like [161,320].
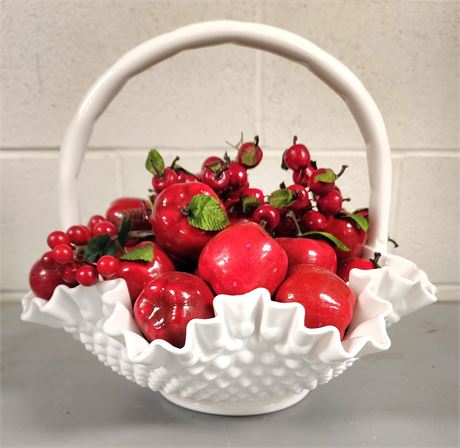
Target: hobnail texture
[254,356]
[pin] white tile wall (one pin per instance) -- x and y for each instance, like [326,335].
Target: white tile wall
[405,52]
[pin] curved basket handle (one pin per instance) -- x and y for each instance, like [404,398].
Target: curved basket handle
[262,37]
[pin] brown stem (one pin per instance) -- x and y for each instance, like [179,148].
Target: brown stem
[346,199]
[395,244]
[294,140]
[376,259]
[174,161]
[342,170]
[256,140]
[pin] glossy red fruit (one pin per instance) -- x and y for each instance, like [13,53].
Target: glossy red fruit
[107,266]
[326,297]
[169,177]
[302,176]
[250,154]
[104,227]
[349,234]
[301,200]
[255,193]
[217,181]
[330,203]
[231,199]
[313,221]
[168,303]
[267,216]
[169,220]
[57,237]
[214,162]
[241,258]
[78,235]
[297,156]
[62,253]
[138,273]
[318,187]
[238,176]
[95,219]
[286,227]
[48,261]
[86,275]
[43,281]
[348,264]
[68,273]
[137,210]
[309,251]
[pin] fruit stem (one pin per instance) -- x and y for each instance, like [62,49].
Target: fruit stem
[291,215]
[376,259]
[155,167]
[342,170]
[395,244]
[185,211]
[174,161]
[294,140]
[256,141]
[346,199]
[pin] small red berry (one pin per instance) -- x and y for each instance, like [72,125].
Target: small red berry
[238,176]
[168,178]
[218,181]
[68,273]
[213,162]
[253,192]
[267,216]
[250,153]
[86,275]
[330,203]
[314,221]
[57,237]
[104,227]
[107,266]
[79,235]
[48,261]
[95,219]
[345,266]
[297,156]
[62,253]
[301,201]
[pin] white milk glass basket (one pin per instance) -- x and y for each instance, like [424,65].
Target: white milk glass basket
[255,355]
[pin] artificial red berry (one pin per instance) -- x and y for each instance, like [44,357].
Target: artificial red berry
[107,266]
[267,216]
[297,156]
[302,176]
[253,192]
[218,181]
[313,221]
[62,253]
[250,153]
[214,162]
[68,273]
[57,237]
[168,178]
[345,266]
[48,261]
[231,199]
[301,201]
[95,219]
[330,203]
[238,176]
[79,235]
[104,227]
[321,187]
[86,275]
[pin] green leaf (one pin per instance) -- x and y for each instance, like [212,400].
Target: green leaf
[155,163]
[362,222]
[281,198]
[249,204]
[96,247]
[125,228]
[327,176]
[249,157]
[328,236]
[143,253]
[216,166]
[206,213]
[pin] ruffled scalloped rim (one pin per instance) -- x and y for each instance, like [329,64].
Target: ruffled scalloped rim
[383,297]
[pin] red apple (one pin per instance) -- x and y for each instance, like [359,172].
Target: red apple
[44,281]
[309,251]
[170,223]
[134,209]
[241,258]
[326,297]
[169,302]
[137,274]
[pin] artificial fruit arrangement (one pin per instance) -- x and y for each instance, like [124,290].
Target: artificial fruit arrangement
[208,233]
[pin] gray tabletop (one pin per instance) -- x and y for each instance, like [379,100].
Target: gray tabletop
[54,393]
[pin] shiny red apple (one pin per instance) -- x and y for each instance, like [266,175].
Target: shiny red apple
[44,281]
[241,258]
[326,297]
[169,302]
